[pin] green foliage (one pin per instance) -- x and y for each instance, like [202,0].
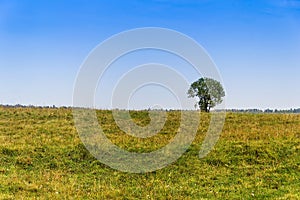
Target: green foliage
[42,157]
[209,91]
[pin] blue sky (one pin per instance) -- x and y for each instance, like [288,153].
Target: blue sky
[255,45]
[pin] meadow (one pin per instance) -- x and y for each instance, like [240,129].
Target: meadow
[42,157]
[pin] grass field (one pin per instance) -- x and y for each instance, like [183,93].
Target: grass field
[42,157]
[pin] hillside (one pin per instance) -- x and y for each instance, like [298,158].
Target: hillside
[41,156]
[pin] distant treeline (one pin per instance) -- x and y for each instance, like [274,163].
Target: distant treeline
[254,110]
[32,106]
[295,110]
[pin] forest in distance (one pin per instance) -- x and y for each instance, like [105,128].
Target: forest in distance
[250,110]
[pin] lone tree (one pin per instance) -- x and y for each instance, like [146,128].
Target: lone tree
[209,91]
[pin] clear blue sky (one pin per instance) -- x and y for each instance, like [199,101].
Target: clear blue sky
[255,44]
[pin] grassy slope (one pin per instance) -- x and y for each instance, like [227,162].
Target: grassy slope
[41,156]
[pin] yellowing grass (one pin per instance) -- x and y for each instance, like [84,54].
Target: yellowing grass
[42,157]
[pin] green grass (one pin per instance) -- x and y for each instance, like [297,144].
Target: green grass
[42,157]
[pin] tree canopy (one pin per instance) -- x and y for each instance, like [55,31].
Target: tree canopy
[209,91]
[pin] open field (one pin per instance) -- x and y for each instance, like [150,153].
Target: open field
[42,157]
